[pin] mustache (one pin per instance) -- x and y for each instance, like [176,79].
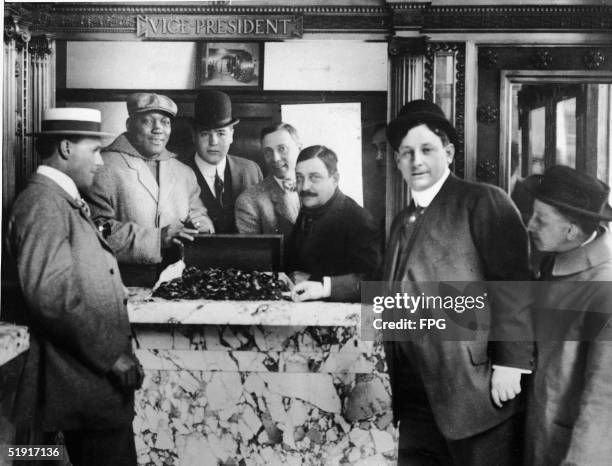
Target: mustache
[307,194]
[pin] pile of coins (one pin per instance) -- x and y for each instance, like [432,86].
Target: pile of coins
[225,284]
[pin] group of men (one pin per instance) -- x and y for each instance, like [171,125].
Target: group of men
[133,202]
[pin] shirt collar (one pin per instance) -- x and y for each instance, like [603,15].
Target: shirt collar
[208,170]
[425,197]
[279,181]
[63,180]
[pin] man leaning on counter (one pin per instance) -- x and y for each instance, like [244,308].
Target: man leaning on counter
[145,201]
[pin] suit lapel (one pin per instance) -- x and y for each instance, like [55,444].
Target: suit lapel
[287,205]
[53,186]
[145,177]
[237,176]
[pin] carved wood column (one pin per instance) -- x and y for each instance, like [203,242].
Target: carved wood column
[406,60]
[14,112]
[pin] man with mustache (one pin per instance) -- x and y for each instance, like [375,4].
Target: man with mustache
[272,206]
[222,177]
[334,242]
[145,202]
[80,372]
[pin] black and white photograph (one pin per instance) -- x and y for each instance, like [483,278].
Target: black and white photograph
[229,64]
[306,233]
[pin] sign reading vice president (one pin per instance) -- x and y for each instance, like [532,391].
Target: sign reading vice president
[216,26]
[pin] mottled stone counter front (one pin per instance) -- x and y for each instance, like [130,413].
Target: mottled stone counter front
[239,382]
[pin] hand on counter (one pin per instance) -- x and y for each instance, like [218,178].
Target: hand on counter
[310,291]
[127,372]
[299,276]
[175,234]
[202,223]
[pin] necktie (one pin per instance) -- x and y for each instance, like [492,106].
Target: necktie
[289,185]
[546,267]
[308,224]
[219,189]
[83,207]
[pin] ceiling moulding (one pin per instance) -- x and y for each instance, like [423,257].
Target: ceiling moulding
[121,18]
[525,18]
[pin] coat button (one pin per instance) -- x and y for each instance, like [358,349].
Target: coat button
[112,271]
[125,302]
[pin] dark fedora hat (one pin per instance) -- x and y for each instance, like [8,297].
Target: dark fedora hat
[572,191]
[213,110]
[415,113]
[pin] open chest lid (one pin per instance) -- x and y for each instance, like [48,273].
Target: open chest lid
[241,251]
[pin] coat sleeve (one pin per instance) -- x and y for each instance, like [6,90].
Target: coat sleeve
[131,242]
[56,297]
[196,206]
[501,239]
[590,436]
[247,220]
[363,247]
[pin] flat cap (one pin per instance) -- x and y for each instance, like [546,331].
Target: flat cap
[147,102]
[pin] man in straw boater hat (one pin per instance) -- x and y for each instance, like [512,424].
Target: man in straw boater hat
[80,373]
[570,401]
[144,200]
[222,177]
[457,402]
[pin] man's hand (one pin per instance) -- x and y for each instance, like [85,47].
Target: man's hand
[505,384]
[127,372]
[308,291]
[202,223]
[175,234]
[299,277]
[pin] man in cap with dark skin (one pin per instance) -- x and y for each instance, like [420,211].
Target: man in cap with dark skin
[146,202]
[455,400]
[80,372]
[221,177]
[570,401]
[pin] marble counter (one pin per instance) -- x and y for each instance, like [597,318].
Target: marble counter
[144,309]
[14,340]
[258,383]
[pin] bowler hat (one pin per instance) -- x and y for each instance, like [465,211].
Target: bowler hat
[71,121]
[213,110]
[148,102]
[572,191]
[415,113]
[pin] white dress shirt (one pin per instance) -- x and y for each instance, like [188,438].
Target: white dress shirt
[208,171]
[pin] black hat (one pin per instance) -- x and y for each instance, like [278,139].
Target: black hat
[415,113]
[572,191]
[213,110]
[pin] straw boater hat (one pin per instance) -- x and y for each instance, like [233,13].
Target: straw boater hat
[71,121]
[572,191]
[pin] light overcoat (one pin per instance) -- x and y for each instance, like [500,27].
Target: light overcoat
[127,196]
[570,402]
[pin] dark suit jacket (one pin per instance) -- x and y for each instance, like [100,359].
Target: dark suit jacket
[244,173]
[470,232]
[76,311]
[267,209]
[343,245]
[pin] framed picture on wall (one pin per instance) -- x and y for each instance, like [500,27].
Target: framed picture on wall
[230,64]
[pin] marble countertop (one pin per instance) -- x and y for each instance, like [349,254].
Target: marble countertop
[14,340]
[144,309]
